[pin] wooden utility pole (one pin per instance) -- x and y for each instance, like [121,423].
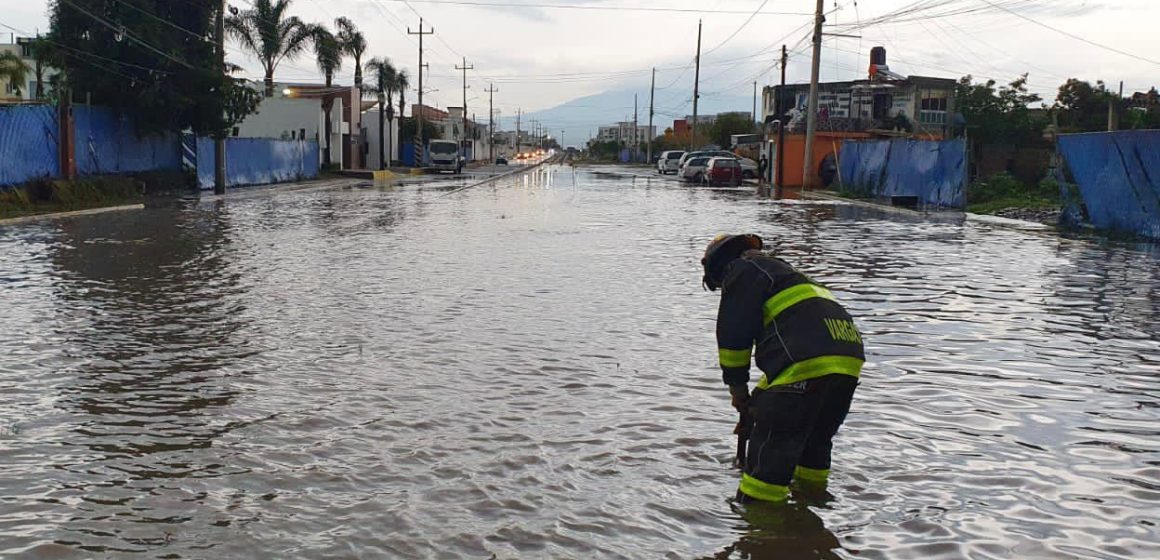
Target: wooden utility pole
[808,173]
[519,113]
[465,68]
[419,115]
[780,110]
[753,114]
[635,131]
[651,93]
[219,139]
[491,122]
[696,88]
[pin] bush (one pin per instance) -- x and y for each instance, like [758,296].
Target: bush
[1004,191]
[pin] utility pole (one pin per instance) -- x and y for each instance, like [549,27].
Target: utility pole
[635,131]
[491,122]
[518,114]
[812,116]
[780,110]
[419,116]
[465,68]
[753,114]
[696,87]
[1112,109]
[219,140]
[651,93]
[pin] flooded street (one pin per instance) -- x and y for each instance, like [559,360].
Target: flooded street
[527,369]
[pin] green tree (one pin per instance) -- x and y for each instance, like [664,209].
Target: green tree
[354,44]
[1081,107]
[998,115]
[407,129]
[271,35]
[383,75]
[728,124]
[328,55]
[155,65]
[14,70]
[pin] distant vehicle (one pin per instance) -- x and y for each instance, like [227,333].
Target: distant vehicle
[501,160]
[667,163]
[694,169]
[445,156]
[723,171]
[748,168]
[706,153]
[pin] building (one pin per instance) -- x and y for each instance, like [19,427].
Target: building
[370,132]
[297,112]
[885,101]
[16,93]
[625,133]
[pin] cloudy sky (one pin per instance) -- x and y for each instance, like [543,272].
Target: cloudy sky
[540,53]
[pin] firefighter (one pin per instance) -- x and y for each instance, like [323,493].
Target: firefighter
[809,351]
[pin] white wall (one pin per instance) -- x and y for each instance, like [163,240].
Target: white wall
[370,121]
[284,118]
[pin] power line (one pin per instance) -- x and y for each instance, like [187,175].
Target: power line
[481,4]
[1072,35]
[738,30]
[122,31]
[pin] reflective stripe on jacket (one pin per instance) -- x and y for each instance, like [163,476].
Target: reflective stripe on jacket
[799,329]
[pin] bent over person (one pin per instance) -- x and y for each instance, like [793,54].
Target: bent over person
[809,350]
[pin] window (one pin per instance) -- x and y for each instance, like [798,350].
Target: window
[933,100]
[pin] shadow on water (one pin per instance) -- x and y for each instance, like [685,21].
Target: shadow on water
[153,328]
[789,530]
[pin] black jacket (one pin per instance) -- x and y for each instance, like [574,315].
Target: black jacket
[799,329]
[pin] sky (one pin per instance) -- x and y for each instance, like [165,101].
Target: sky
[539,54]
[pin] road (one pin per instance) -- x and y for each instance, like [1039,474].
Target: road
[526,369]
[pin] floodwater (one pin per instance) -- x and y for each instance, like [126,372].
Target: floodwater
[527,370]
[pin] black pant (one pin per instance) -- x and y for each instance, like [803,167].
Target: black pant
[794,426]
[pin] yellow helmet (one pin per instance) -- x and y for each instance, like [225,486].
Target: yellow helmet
[721,251]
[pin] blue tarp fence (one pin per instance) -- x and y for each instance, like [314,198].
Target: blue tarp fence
[107,143]
[258,161]
[933,171]
[28,143]
[1117,176]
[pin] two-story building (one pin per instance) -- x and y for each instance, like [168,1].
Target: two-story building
[885,101]
[23,47]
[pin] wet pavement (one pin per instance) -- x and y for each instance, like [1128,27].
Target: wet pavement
[526,369]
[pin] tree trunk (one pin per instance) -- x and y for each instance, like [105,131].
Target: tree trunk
[39,80]
[400,125]
[269,83]
[382,148]
[327,105]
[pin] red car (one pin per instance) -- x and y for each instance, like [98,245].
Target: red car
[723,171]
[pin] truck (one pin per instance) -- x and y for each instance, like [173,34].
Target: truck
[444,156]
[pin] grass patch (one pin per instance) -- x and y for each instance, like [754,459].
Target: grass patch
[42,196]
[1004,191]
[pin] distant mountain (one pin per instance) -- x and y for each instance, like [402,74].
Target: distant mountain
[585,115]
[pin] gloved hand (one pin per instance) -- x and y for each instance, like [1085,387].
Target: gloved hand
[740,394]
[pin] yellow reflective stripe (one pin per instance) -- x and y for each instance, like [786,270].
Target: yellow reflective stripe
[734,358]
[791,296]
[816,367]
[762,490]
[806,474]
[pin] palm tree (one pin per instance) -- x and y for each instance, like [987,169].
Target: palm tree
[402,82]
[385,74]
[328,52]
[271,35]
[13,70]
[354,44]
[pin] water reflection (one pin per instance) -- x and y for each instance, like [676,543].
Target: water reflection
[782,531]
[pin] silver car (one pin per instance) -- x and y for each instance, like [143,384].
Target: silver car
[669,162]
[694,169]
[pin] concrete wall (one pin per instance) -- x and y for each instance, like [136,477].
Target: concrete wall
[370,121]
[284,118]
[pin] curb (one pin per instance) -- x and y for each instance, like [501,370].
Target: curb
[498,177]
[54,215]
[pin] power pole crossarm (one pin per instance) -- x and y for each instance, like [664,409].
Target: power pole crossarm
[419,116]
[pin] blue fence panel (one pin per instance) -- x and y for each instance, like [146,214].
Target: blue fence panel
[408,154]
[28,143]
[1117,177]
[107,143]
[259,161]
[933,171]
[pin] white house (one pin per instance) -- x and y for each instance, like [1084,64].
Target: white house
[9,92]
[370,131]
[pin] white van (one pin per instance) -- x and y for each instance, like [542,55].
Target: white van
[668,162]
[444,156]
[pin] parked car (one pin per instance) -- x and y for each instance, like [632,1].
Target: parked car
[723,171]
[501,160]
[694,169]
[668,162]
[707,153]
[748,168]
